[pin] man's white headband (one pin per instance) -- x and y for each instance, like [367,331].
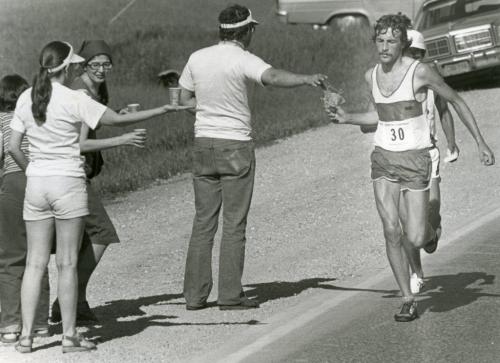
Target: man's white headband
[248,20]
[71,58]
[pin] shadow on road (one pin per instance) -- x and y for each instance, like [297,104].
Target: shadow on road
[124,318]
[447,292]
[281,289]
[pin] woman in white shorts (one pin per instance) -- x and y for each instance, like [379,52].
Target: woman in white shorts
[51,116]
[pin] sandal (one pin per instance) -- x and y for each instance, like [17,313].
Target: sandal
[25,348]
[9,338]
[78,344]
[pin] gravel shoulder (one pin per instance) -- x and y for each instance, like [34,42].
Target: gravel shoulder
[312,225]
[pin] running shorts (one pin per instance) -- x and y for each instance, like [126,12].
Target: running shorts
[411,168]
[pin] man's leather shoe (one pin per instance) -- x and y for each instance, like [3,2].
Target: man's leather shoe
[245,304]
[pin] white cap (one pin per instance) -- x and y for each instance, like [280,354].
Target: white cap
[72,57]
[417,39]
[248,20]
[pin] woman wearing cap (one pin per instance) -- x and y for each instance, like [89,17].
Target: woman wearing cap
[99,230]
[51,115]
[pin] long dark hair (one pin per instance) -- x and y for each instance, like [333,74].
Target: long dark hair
[11,87]
[52,55]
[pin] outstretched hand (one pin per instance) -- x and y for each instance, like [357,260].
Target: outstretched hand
[135,138]
[175,108]
[486,155]
[452,153]
[316,80]
[336,114]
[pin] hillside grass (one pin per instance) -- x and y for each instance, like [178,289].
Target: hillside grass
[154,35]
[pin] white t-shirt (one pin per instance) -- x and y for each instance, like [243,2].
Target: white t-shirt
[218,76]
[54,146]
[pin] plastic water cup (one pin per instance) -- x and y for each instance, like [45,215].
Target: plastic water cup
[133,107]
[174,94]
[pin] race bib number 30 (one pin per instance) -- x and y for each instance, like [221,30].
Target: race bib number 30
[395,134]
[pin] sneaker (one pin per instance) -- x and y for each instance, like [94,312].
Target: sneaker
[431,246]
[408,312]
[9,338]
[416,284]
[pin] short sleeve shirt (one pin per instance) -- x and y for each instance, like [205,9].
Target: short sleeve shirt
[54,147]
[219,76]
[9,165]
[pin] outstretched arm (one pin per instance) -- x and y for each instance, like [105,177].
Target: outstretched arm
[367,120]
[425,76]
[136,138]
[111,118]
[281,78]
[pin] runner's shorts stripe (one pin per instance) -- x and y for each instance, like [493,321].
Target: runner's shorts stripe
[411,168]
[434,151]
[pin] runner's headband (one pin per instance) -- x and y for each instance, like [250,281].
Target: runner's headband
[71,58]
[248,20]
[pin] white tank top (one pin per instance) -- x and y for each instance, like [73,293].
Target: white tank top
[403,124]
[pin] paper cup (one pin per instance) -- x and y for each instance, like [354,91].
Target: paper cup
[174,94]
[133,107]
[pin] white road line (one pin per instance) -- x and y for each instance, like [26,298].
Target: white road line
[309,315]
[121,12]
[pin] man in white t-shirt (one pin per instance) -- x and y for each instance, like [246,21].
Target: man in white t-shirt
[215,81]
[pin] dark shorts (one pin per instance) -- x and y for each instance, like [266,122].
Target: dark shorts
[98,226]
[412,168]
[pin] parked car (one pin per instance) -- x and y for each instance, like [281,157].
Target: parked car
[462,36]
[321,13]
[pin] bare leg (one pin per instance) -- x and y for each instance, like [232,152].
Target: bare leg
[39,237]
[435,204]
[69,235]
[412,255]
[387,196]
[418,229]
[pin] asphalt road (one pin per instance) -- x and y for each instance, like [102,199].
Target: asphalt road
[459,314]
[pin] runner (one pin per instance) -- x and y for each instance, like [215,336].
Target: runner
[401,162]
[434,103]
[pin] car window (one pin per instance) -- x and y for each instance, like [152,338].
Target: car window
[442,12]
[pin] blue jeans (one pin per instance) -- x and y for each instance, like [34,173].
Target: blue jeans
[223,174]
